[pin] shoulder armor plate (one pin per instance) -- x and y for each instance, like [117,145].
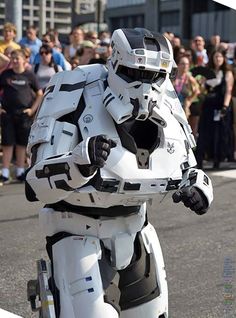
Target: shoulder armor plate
[64,90]
[172,102]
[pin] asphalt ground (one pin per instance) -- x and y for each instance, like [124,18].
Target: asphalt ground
[199,251]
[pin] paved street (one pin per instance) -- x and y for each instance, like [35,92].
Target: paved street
[200,251]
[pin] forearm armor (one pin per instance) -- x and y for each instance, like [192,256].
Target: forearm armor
[54,171]
[53,179]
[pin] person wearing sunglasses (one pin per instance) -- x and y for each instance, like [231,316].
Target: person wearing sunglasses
[47,67]
[58,57]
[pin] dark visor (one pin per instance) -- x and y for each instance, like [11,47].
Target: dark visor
[132,74]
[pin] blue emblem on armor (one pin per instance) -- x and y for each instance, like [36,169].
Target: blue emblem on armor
[170,147]
[88,118]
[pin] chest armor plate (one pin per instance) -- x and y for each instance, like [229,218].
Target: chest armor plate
[138,167]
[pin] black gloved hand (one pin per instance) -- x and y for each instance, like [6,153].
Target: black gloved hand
[99,148]
[223,111]
[192,198]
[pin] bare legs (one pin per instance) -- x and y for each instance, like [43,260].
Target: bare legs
[8,154]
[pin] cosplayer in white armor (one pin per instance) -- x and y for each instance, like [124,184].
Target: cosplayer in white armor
[105,141]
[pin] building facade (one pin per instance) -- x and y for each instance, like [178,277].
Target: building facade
[89,13]
[185,18]
[58,14]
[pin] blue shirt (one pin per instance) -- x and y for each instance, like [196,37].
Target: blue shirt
[33,45]
[58,58]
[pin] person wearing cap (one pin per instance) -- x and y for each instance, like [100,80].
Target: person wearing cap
[86,52]
[92,36]
[103,51]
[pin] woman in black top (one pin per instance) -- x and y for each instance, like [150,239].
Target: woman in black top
[215,140]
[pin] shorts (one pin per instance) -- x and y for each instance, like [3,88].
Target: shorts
[195,109]
[15,129]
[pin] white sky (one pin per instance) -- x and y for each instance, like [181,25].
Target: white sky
[228,3]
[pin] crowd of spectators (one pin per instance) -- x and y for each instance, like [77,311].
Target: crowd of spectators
[204,85]
[25,70]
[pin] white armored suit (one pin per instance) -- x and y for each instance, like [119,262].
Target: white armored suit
[105,141]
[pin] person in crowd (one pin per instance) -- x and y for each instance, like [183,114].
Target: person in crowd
[104,36]
[191,55]
[196,106]
[47,67]
[169,35]
[57,42]
[58,57]
[185,85]
[86,52]
[9,34]
[4,62]
[92,36]
[28,65]
[74,62]
[76,38]
[178,51]
[201,52]
[234,102]
[31,41]
[229,47]
[103,51]
[7,53]
[215,140]
[214,44]
[176,41]
[21,98]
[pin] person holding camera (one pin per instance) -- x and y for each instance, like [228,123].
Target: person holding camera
[103,51]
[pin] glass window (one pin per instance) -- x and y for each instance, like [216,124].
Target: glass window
[48,25]
[169,18]
[62,5]
[205,6]
[137,21]
[127,22]
[26,12]
[123,3]
[61,15]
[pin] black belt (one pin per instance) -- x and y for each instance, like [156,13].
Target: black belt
[113,211]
